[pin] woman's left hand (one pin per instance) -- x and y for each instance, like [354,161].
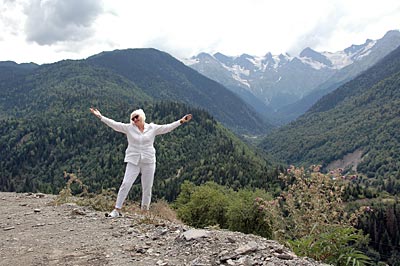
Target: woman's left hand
[186,118]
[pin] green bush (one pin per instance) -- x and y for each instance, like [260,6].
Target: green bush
[211,204]
[203,206]
[333,246]
[244,214]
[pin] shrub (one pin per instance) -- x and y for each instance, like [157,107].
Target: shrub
[310,215]
[73,184]
[76,192]
[203,206]
[212,204]
[332,246]
[244,215]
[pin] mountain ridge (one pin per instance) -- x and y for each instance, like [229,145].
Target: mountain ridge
[164,77]
[289,85]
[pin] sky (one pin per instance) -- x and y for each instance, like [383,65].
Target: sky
[47,31]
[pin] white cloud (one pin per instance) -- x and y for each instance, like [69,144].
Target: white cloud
[52,21]
[50,30]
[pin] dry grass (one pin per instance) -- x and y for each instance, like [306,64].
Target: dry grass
[158,210]
[163,210]
[106,199]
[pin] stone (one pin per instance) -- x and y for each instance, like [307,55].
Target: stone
[249,247]
[195,234]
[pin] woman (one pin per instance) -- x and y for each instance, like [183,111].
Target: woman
[140,155]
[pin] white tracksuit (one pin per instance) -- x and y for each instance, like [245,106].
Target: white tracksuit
[140,156]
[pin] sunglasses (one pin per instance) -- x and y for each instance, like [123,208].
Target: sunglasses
[135,117]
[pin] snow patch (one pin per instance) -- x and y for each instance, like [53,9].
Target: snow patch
[237,72]
[360,56]
[312,63]
[190,61]
[339,59]
[243,81]
[257,62]
[366,51]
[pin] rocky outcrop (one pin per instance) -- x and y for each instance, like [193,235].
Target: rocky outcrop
[37,233]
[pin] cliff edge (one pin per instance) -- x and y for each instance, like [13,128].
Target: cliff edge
[36,232]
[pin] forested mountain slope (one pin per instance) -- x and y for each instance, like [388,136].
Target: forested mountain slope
[363,114]
[163,77]
[47,130]
[65,87]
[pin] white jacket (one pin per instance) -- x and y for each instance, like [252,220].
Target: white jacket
[140,145]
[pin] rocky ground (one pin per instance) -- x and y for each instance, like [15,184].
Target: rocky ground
[35,232]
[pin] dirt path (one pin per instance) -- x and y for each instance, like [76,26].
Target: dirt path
[35,233]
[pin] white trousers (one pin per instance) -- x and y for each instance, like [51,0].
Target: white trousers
[131,173]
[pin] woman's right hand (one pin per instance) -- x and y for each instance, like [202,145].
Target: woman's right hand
[95,112]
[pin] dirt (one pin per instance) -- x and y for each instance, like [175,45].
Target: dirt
[33,232]
[350,160]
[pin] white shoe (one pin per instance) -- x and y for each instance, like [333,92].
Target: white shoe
[114,214]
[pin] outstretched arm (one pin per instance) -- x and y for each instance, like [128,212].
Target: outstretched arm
[117,126]
[162,129]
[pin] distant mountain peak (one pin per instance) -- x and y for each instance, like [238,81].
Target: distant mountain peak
[313,55]
[395,33]
[223,58]
[204,55]
[307,52]
[284,57]
[246,56]
[355,48]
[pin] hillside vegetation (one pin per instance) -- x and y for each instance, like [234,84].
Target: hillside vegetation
[48,130]
[363,114]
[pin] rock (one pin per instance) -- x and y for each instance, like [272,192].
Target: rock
[285,256]
[78,212]
[195,234]
[230,262]
[249,247]
[39,225]
[162,263]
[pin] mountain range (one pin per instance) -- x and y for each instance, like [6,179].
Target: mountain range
[355,127]
[282,87]
[160,77]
